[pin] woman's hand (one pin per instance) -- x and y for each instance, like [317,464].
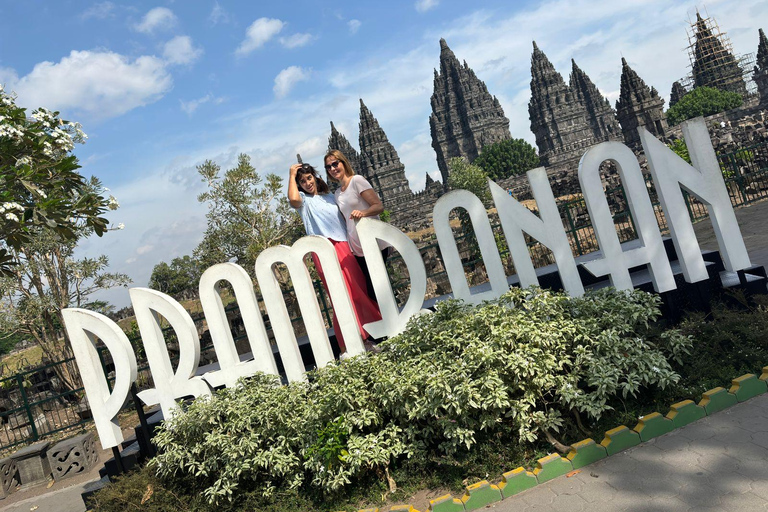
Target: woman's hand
[293,190]
[357,214]
[294,169]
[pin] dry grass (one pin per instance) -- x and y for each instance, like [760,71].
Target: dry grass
[32,355]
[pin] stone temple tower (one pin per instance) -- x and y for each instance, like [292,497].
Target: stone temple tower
[761,70]
[638,105]
[678,91]
[559,120]
[465,116]
[381,163]
[602,117]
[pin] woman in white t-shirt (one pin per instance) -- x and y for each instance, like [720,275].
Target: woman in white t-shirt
[356,199]
[310,195]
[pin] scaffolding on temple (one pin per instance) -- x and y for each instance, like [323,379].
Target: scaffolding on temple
[712,62]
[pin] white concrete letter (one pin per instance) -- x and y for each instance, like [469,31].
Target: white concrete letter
[148,306]
[548,230]
[393,321]
[293,258]
[705,181]
[485,240]
[231,368]
[83,328]
[614,261]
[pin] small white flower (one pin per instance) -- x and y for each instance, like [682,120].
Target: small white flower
[121,226]
[12,216]
[112,204]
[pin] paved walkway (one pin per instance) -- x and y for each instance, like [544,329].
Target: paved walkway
[719,463]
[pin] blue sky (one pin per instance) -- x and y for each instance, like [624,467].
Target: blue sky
[162,86]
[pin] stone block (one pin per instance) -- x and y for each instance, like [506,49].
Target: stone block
[515,481]
[716,400]
[586,452]
[9,477]
[32,462]
[619,439]
[446,503]
[480,494]
[551,466]
[685,412]
[73,456]
[653,425]
[747,386]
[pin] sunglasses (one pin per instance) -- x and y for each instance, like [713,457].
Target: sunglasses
[332,165]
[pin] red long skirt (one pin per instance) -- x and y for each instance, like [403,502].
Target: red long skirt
[366,310]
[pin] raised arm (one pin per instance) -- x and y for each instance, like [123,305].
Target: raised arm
[293,189]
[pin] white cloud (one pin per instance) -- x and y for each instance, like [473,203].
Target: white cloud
[180,50]
[354,26]
[189,107]
[218,14]
[425,5]
[159,18]
[296,40]
[257,35]
[99,84]
[99,11]
[287,78]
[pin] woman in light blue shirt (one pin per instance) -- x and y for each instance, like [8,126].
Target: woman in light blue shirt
[310,195]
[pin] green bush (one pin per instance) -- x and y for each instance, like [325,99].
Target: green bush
[514,367]
[702,101]
[506,158]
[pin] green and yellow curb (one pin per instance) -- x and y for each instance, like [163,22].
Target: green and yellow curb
[653,425]
[619,439]
[446,503]
[480,495]
[586,452]
[551,466]
[515,481]
[717,399]
[747,386]
[685,412]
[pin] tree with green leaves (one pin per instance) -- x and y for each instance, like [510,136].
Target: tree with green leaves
[179,279]
[39,183]
[465,176]
[246,214]
[702,101]
[506,158]
[46,208]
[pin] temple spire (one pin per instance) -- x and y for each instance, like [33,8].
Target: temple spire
[384,170]
[638,105]
[465,116]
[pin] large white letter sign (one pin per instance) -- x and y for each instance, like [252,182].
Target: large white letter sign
[83,328]
[293,258]
[231,368]
[614,261]
[548,230]
[705,181]
[485,240]
[393,320]
[147,305]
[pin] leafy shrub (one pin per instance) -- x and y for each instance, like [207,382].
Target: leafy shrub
[702,101]
[514,367]
[506,158]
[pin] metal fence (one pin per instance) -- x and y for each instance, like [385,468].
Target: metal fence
[34,404]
